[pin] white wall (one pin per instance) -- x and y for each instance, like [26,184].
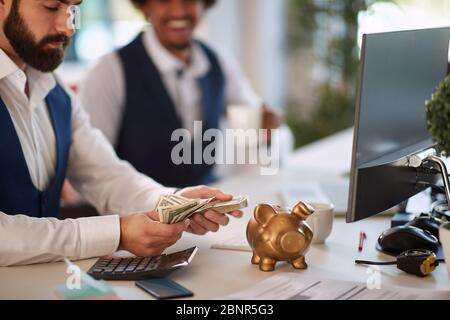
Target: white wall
[222,26]
[263,46]
[254,32]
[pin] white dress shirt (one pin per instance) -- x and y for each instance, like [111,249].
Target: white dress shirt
[103,90]
[111,185]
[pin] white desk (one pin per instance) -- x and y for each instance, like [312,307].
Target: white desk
[215,273]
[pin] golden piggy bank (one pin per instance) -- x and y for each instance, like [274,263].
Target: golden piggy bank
[276,234]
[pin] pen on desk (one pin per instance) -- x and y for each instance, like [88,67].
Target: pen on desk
[362,238]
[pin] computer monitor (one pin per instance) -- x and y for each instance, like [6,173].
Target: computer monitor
[399,71]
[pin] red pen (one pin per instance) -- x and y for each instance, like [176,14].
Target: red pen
[362,238]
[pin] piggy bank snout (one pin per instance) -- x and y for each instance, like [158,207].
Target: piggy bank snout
[292,242]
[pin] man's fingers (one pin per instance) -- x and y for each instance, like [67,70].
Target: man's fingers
[271,119]
[237,214]
[205,223]
[217,218]
[223,196]
[153,215]
[195,228]
[168,230]
[273,122]
[207,193]
[181,227]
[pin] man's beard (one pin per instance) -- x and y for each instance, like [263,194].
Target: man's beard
[31,52]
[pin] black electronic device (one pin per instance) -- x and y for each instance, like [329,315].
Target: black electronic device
[397,75]
[441,210]
[417,262]
[400,239]
[112,268]
[427,223]
[401,219]
[164,289]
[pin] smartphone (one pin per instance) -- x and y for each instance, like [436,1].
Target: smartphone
[164,289]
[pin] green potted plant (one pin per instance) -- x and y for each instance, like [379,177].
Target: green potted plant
[438,116]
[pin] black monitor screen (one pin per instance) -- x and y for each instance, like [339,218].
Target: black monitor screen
[401,71]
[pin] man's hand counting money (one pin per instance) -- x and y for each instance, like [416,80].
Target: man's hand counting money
[210,220]
[141,235]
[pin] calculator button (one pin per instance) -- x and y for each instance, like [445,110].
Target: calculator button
[123,264]
[143,265]
[130,269]
[114,263]
[107,261]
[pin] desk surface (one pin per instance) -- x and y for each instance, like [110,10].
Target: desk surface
[217,273]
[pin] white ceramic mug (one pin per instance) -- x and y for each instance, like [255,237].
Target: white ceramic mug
[444,235]
[244,117]
[321,222]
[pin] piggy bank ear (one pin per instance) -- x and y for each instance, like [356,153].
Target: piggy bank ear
[263,213]
[303,210]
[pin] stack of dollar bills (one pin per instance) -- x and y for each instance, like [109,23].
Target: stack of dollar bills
[174,208]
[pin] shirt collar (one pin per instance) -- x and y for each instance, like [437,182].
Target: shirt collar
[167,63]
[7,66]
[40,83]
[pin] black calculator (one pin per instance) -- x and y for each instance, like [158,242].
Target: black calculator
[133,269]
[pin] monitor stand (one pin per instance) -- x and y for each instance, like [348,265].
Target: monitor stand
[445,178]
[402,218]
[439,211]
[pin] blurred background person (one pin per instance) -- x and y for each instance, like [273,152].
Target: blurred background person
[301,55]
[162,81]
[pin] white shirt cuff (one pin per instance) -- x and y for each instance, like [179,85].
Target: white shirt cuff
[99,236]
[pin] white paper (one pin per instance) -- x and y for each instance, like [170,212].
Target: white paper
[233,242]
[292,286]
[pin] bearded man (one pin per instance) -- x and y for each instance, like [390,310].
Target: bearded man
[46,137]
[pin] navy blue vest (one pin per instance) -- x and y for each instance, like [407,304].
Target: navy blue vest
[150,118]
[18,195]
